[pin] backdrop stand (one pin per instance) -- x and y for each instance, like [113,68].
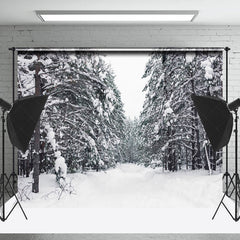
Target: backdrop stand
[234,180]
[13,175]
[5,180]
[226,174]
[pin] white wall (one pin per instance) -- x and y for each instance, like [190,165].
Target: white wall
[117,36]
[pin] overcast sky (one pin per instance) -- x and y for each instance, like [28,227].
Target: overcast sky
[129,69]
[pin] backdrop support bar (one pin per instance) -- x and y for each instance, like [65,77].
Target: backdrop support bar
[13,99]
[130,49]
[226,174]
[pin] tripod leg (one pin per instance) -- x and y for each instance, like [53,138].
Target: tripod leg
[16,199]
[226,191]
[219,204]
[232,182]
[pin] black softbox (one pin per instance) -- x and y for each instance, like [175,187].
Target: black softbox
[216,119]
[22,120]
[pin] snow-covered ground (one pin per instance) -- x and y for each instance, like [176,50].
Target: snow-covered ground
[128,186]
[128,199]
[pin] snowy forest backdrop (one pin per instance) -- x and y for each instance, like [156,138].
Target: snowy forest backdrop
[84,127]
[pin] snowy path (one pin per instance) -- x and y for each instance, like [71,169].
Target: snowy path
[130,186]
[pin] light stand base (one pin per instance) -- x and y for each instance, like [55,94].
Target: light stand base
[10,193]
[235,190]
[234,181]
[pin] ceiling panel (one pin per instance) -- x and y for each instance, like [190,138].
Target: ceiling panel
[211,12]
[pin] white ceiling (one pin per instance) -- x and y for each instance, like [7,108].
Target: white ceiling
[211,12]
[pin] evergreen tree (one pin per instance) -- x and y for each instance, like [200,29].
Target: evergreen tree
[169,125]
[84,108]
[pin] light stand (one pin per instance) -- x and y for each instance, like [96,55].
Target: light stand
[234,180]
[226,174]
[217,121]
[22,119]
[4,185]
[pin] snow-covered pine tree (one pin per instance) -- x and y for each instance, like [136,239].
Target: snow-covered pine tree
[152,111]
[84,108]
[169,125]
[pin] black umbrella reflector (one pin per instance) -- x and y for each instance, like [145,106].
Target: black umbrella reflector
[22,120]
[216,119]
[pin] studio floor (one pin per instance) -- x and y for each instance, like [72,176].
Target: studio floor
[120,236]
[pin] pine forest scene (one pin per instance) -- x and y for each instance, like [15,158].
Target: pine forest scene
[118,125]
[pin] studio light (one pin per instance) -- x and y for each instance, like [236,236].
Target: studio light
[117,16]
[22,119]
[216,118]
[217,121]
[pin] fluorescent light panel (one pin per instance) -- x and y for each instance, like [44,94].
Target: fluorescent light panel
[117,16]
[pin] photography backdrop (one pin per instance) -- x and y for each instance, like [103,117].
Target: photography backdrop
[85,120]
[120,36]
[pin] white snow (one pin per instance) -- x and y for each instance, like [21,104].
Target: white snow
[130,185]
[45,62]
[190,56]
[51,136]
[165,146]
[167,111]
[207,64]
[101,163]
[25,155]
[156,128]
[160,79]
[127,199]
[60,165]
[91,141]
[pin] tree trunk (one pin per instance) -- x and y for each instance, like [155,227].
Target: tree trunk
[193,131]
[193,146]
[198,156]
[214,160]
[35,184]
[186,152]
[27,166]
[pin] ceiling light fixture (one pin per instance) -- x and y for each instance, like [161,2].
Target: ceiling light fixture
[117,16]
